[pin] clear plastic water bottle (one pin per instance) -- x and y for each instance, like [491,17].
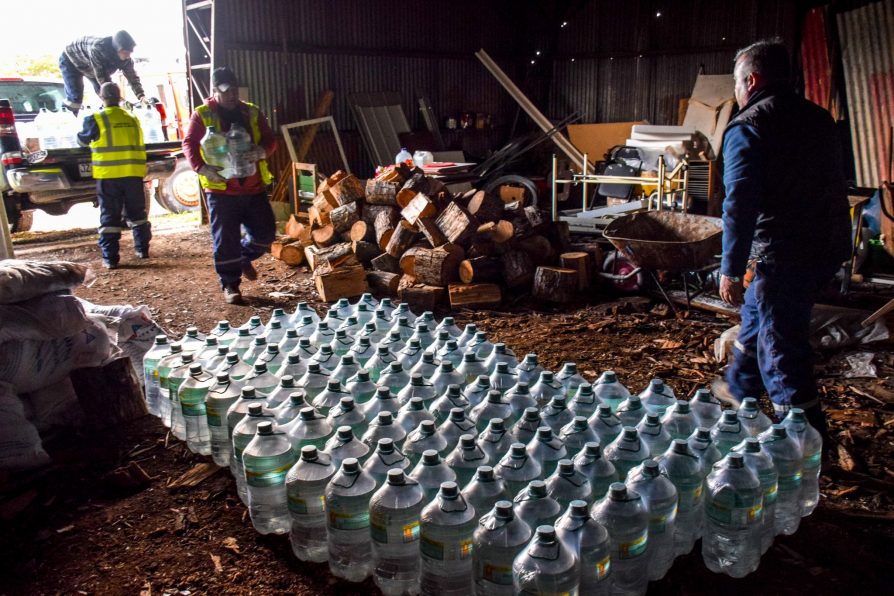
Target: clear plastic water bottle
[384,426]
[445,376]
[344,445]
[255,326]
[347,513]
[477,392]
[609,390]
[761,465]
[576,434]
[309,428]
[243,433]
[160,348]
[631,411]
[291,408]
[627,451]
[329,397]
[534,505]
[498,539]
[599,471]
[657,397]
[305,327]
[150,121]
[546,388]
[289,342]
[705,407]
[570,379]
[449,324]
[467,335]
[456,425]
[495,440]
[472,368]
[584,401]
[556,413]
[605,424]
[785,451]
[193,340]
[526,428]
[398,335]
[282,391]
[208,350]
[703,447]
[47,131]
[683,468]
[423,337]
[431,472]
[811,441]
[215,361]
[383,401]
[234,367]
[266,461]
[679,420]
[224,333]
[403,156]
[314,380]
[447,527]
[546,566]
[272,359]
[412,414]
[494,406]
[728,432]
[529,369]
[258,345]
[326,358]
[519,398]
[178,373]
[584,536]
[302,309]
[347,414]
[220,397]
[501,353]
[418,387]
[502,378]
[68,131]
[518,469]
[385,457]
[485,489]
[480,346]
[306,486]
[624,515]
[427,367]
[364,348]
[752,418]
[192,394]
[394,377]
[239,158]
[731,543]
[465,459]
[547,449]
[262,379]
[452,353]
[422,439]
[653,434]
[394,513]
[343,341]
[660,497]
[242,342]
[361,387]
[568,484]
[451,398]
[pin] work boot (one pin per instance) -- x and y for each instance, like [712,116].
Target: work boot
[232,295]
[249,271]
[143,254]
[109,264]
[720,389]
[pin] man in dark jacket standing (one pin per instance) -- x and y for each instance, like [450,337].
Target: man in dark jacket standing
[786,207]
[97,58]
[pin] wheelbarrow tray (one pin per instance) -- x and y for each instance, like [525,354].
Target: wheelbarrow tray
[666,240]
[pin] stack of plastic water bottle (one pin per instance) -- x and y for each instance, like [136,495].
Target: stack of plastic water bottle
[397,446]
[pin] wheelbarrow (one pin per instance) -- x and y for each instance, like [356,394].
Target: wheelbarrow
[678,243]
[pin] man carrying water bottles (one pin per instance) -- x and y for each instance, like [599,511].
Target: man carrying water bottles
[234,203]
[786,206]
[119,165]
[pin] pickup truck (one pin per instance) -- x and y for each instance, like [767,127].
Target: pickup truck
[54,180]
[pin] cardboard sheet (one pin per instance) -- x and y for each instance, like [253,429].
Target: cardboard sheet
[596,139]
[711,106]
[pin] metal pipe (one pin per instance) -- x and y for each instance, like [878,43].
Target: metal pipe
[555,209]
[584,167]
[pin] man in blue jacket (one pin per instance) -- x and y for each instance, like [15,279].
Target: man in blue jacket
[786,207]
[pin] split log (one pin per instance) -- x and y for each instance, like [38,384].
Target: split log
[110,395]
[438,266]
[538,248]
[336,256]
[370,212]
[380,192]
[421,297]
[457,224]
[553,284]
[335,178]
[474,295]
[417,183]
[365,251]
[419,206]
[288,250]
[518,270]
[384,225]
[401,239]
[324,236]
[344,217]
[319,211]
[310,255]
[480,269]
[431,232]
[481,248]
[485,207]
[298,228]
[383,282]
[345,191]
[580,262]
[396,174]
[408,260]
[499,231]
[344,282]
[385,262]
[362,232]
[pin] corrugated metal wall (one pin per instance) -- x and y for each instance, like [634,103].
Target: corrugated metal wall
[867,46]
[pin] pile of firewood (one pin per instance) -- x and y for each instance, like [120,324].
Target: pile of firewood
[403,234]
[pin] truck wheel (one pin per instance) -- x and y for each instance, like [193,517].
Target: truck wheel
[24,221]
[179,193]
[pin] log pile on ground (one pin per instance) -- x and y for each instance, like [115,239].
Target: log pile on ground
[403,234]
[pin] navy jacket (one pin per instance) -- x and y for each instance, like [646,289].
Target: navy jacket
[786,196]
[96,58]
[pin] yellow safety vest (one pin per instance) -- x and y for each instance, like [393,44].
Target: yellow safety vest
[209,118]
[119,151]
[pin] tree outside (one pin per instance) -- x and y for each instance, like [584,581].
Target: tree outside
[24,65]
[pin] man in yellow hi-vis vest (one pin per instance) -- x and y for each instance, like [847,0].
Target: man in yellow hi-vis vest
[119,165]
[235,204]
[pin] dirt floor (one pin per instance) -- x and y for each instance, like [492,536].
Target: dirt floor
[77,528]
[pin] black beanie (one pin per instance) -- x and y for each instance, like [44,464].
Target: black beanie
[123,41]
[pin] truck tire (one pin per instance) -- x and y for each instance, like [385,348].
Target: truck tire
[24,221]
[179,193]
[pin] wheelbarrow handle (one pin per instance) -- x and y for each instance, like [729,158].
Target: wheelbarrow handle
[618,276]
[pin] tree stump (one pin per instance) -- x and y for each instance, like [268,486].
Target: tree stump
[383,282]
[474,295]
[344,217]
[438,266]
[480,269]
[457,224]
[580,262]
[362,232]
[422,297]
[553,284]
[485,207]
[518,270]
[380,192]
[401,239]
[288,250]
[110,395]
[324,236]
[344,282]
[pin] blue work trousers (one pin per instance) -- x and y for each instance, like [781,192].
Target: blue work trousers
[121,198]
[230,215]
[773,350]
[73,81]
